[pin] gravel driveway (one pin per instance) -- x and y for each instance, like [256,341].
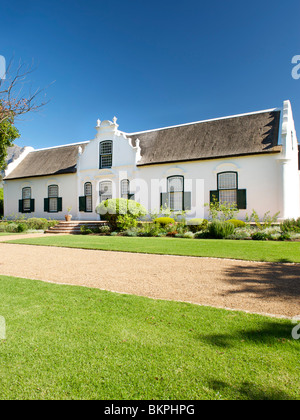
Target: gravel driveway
[266,288]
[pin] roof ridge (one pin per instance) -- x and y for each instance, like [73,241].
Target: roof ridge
[204,121]
[63,145]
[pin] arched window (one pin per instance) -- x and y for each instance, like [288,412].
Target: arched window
[105,154]
[53,198]
[175,193]
[105,190]
[125,184]
[88,192]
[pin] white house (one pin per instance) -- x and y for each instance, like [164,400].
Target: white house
[250,159]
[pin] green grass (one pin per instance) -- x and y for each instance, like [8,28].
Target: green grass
[67,342]
[244,250]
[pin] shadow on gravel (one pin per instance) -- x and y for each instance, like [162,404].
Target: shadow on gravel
[265,280]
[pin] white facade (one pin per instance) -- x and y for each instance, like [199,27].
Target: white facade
[271,180]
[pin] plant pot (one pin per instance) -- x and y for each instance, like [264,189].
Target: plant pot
[68,217]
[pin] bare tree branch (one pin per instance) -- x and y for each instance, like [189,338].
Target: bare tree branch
[15,99]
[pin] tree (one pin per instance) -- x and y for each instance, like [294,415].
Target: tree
[8,134]
[16,99]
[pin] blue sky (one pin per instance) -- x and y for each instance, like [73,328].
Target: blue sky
[152,64]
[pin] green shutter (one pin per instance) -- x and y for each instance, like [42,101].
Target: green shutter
[242,199]
[214,197]
[46,205]
[59,204]
[164,199]
[187,201]
[20,206]
[82,203]
[32,206]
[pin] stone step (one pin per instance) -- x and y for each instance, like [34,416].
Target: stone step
[74,227]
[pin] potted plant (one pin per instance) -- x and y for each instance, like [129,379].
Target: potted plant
[68,216]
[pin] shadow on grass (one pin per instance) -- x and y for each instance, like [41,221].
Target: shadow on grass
[251,391]
[267,334]
[265,280]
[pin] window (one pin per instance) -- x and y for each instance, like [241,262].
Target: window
[228,187]
[175,193]
[105,154]
[88,197]
[26,197]
[228,192]
[105,190]
[26,205]
[125,189]
[53,198]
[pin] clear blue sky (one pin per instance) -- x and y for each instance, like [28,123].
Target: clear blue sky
[152,64]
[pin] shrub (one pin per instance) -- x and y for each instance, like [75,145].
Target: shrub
[197,224]
[35,223]
[237,223]
[130,232]
[85,230]
[224,211]
[22,227]
[151,229]
[261,236]
[111,209]
[202,234]
[285,236]
[11,228]
[220,230]
[126,221]
[291,225]
[240,233]
[164,221]
[267,220]
[189,235]
[3,227]
[104,230]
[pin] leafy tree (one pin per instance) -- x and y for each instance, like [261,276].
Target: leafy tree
[8,134]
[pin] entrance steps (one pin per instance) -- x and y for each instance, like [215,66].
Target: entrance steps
[73,228]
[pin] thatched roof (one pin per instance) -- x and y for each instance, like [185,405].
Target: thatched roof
[55,161]
[235,136]
[248,134]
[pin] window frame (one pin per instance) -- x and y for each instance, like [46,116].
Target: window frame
[102,155]
[169,192]
[105,195]
[27,209]
[88,195]
[123,195]
[53,198]
[228,189]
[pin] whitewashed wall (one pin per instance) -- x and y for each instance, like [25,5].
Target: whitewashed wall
[271,181]
[39,191]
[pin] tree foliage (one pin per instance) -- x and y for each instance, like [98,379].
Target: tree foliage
[8,134]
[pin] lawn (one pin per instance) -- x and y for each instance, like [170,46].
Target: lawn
[67,342]
[271,251]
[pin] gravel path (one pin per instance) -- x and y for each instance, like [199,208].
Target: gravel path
[266,288]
